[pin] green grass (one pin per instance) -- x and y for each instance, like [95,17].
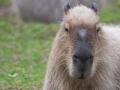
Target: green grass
[4,2]
[24,49]
[111,14]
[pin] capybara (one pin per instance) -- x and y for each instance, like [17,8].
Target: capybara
[85,54]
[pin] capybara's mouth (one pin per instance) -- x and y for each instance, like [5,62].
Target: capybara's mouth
[82,76]
[81,72]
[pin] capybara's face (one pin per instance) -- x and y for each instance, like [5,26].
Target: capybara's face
[81,28]
[82,42]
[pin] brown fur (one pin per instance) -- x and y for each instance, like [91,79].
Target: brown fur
[106,64]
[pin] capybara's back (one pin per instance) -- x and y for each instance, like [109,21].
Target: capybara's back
[85,54]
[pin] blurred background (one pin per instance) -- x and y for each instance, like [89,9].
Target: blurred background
[27,30]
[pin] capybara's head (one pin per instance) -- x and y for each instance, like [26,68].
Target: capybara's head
[81,26]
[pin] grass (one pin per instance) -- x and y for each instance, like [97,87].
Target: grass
[4,2]
[111,14]
[24,50]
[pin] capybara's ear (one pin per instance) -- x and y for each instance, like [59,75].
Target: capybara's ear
[94,7]
[66,7]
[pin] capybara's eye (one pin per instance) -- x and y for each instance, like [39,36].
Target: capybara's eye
[66,29]
[98,30]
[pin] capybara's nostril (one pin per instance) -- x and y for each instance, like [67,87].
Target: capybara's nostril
[75,58]
[91,59]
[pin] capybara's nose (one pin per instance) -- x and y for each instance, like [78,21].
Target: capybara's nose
[83,59]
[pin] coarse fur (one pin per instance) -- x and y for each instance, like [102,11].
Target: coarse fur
[106,65]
